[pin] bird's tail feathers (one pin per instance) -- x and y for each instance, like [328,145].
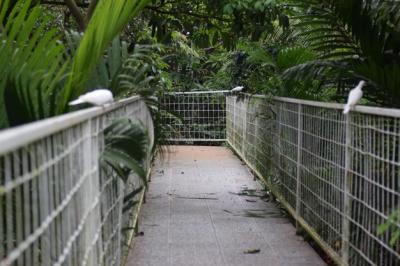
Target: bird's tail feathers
[76,102]
[346,109]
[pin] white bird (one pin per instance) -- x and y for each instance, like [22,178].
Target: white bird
[96,97]
[237,89]
[355,95]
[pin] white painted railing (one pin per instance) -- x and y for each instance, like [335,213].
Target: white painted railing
[338,175]
[57,207]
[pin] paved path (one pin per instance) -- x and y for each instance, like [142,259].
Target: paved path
[194,216]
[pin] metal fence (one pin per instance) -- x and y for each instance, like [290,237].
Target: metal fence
[57,207]
[194,116]
[338,175]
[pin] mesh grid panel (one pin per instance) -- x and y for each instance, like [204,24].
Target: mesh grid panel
[192,117]
[338,175]
[57,207]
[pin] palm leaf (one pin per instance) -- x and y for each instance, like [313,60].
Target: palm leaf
[120,161]
[33,64]
[354,40]
[108,20]
[126,148]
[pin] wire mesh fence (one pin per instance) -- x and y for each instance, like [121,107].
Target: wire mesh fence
[338,175]
[57,206]
[194,116]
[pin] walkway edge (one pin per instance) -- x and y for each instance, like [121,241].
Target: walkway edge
[135,220]
[328,250]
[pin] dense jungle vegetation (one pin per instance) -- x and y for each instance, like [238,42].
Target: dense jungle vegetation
[53,51]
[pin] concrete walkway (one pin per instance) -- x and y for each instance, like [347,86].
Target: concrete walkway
[204,208]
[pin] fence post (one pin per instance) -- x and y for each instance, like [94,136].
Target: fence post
[299,147]
[225,114]
[346,193]
[234,132]
[279,155]
[87,190]
[244,127]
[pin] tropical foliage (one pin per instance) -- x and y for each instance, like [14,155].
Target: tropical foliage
[355,40]
[39,76]
[392,225]
[98,36]
[313,49]
[126,148]
[34,65]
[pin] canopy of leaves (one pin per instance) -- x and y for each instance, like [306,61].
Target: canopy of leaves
[315,49]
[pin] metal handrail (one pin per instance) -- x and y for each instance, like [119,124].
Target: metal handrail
[392,112]
[14,138]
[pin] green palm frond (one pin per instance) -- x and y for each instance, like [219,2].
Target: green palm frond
[110,66]
[141,72]
[121,71]
[33,64]
[293,56]
[126,148]
[257,55]
[323,32]
[354,39]
[130,200]
[183,44]
[108,20]
[392,227]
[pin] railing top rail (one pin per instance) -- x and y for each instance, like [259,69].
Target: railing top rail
[14,138]
[197,92]
[392,112]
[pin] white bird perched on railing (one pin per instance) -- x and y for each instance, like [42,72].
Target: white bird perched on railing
[355,96]
[237,89]
[96,97]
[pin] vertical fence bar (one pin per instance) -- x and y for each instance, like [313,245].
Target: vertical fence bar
[244,126]
[18,205]
[89,189]
[299,150]
[34,203]
[44,208]
[27,210]
[234,121]
[51,198]
[8,205]
[279,151]
[3,237]
[346,193]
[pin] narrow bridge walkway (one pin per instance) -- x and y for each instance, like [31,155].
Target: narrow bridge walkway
[204,208]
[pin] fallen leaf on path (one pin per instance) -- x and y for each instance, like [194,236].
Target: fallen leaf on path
[252,251]
[249,200]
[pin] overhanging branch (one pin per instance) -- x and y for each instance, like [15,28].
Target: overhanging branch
[73,7]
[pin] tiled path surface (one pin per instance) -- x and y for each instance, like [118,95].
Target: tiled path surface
[194,216]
